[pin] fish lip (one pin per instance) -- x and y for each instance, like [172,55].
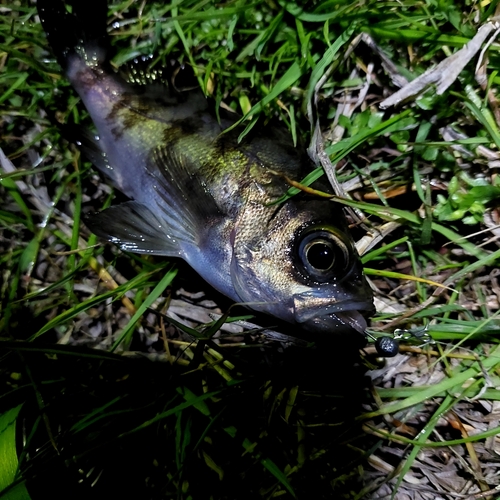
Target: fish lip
[329,316]
[354,319]
[343,322]
[304,310]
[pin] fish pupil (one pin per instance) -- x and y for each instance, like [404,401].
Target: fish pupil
[321,255]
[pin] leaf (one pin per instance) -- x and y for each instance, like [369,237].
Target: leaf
[326,60]
[157,291]
[278,474]
[293,73]
[8,458]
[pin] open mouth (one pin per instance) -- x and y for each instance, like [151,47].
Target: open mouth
[342,322]
[305,308]
[323,314]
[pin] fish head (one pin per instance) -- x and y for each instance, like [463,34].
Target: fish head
[302,267]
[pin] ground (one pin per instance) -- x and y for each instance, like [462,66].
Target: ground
[116,373]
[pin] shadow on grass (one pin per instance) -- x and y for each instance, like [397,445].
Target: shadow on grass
[133,428]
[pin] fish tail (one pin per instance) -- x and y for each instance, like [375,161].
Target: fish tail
[76,28]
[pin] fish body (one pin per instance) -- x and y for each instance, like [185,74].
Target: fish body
[198,194]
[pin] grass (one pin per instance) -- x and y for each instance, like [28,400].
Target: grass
[126,387]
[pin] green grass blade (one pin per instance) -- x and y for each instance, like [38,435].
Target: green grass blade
[9,490]
[453,383]
[126,335]
[278,474]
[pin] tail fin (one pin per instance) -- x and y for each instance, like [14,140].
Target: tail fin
[78,30]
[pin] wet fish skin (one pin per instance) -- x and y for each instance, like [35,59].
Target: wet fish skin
[200,195]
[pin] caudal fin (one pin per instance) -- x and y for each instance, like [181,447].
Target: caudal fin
[76,27]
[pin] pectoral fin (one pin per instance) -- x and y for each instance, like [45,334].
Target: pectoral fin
[181,198]
[134,228]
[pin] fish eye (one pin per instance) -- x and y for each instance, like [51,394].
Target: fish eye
[320,254]
[324,254]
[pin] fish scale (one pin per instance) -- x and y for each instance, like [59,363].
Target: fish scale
[199,194]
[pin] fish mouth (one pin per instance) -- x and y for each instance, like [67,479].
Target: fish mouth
[341,317]
[342,322]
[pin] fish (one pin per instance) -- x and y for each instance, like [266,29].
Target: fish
[199,194]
